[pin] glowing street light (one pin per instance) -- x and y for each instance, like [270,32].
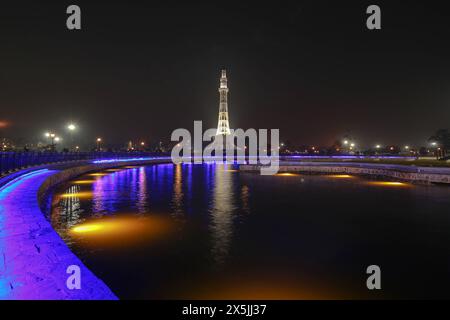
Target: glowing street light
[72,128]
[407,147]
[345,142]
[99,141]
[377,146]
[52,137]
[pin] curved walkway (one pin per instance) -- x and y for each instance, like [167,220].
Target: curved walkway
[33,258]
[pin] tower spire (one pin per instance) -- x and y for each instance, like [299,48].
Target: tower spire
[223,126]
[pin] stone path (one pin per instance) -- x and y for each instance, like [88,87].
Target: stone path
[33,258]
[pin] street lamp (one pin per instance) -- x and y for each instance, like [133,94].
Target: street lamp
[71,127]
[438,149]
[99,141]
[51,136]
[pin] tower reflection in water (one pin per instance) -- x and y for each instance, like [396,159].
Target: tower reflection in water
[222,209]
[168,189]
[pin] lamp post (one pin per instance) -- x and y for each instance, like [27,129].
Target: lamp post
[51,136]
[435,145]
[99,141]
[71,127]
[377,148]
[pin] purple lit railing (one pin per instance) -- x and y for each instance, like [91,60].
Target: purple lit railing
[12,161]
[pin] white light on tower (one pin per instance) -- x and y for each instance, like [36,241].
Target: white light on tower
[72,127]
[223,125]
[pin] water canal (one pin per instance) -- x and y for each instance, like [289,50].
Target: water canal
[210,231]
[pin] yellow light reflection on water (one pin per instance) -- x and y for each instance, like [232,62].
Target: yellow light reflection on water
[87,228]
[340,176]
[77,195]
[113,170]
[231,170]
[84,181]
[287,174]
[389,184]
[97,174]
[262,287]
[121,230]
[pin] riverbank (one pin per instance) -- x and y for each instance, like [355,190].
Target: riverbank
[33,258]
[393,171]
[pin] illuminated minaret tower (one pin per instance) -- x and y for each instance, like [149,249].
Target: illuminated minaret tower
[223,127]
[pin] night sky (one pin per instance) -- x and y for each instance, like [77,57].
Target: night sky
[138,70]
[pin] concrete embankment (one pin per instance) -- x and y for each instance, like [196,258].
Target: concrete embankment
[34,260]
[397,172]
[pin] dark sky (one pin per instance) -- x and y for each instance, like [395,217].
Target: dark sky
[310,68]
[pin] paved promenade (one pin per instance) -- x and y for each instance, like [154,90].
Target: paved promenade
[33,258]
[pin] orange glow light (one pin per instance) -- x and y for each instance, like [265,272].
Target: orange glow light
[77,195]
[287,174]
[341,176]
[389,184]
[122,230]
[87,228]
[84,181]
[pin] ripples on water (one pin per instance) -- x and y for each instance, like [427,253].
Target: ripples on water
[209,231]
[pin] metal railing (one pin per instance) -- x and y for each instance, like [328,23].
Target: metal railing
[12,161]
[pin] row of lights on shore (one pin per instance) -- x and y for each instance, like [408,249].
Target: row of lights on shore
[379,146]
[71,128]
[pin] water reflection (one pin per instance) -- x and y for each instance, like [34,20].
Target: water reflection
[177,197]
[222,210]
[70,208]
[142,195]
[207,231]
[245,194]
